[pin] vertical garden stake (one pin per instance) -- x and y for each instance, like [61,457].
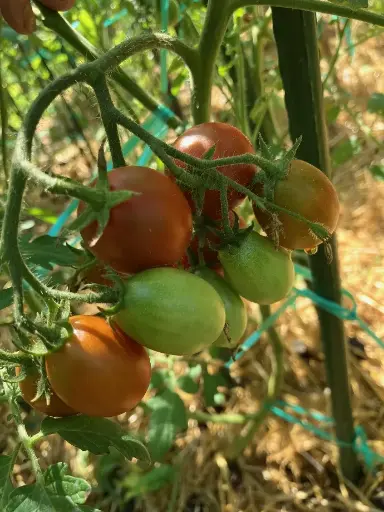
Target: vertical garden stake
[296,39]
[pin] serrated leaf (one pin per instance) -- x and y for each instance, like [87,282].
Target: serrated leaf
[5,481]
[96,435]
[35,498]
[187,384]
[6,297]
[47,251]
[376,103]
[58,483]
[168,417]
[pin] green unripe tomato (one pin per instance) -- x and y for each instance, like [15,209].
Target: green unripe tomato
[171,311]
[235,312]
[257,270]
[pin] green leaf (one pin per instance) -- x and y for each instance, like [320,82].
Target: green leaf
[36,498]
[141,484]
[6,297]
[47,251]
[168,417]
[58,483]
[42,214]
[5,481]
[376,103]
[187,384]
[345,150]
[96,435]
[332,111]
[377,172]
[212,382]
[160,379]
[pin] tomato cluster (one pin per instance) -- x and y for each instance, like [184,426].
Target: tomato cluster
[171,305]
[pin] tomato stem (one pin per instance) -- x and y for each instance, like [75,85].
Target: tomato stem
[104,100]
[316,6]
[215,25]
[10,393]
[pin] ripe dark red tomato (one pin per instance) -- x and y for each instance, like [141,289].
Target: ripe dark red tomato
[56,407]
[229,142]
[152,229]
[307,191]
[99,371]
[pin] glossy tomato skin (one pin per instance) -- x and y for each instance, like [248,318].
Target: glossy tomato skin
[99,371]
[257,270]
[229,141]
[56,407]
[235,312]
[152,229]
[171,311]
[307,191]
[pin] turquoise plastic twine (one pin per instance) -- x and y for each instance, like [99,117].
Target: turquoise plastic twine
[360,444]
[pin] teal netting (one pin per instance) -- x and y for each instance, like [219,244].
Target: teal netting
[292,413]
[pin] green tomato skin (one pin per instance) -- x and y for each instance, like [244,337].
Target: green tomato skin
[171,311]
[257,270]
[235,312]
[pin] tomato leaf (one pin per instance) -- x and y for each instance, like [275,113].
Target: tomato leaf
[212,382]
[376,103]
[160,379]
[5,481]
[187,384]
[96,435]
[168,417]
[139,483]
[377,172]
[58,483]
[32,498]
[47,251]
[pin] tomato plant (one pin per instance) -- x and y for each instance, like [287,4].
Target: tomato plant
[55,407]
[257,270]
[235,312]
[307,191]
[210,255]
[152,229]
[99,371]
[228,141]
[171,311]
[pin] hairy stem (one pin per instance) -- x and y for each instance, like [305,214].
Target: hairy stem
[105,104]
[57,23]
[316,6]
[21,430]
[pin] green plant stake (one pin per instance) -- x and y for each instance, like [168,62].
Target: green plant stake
[295,34]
